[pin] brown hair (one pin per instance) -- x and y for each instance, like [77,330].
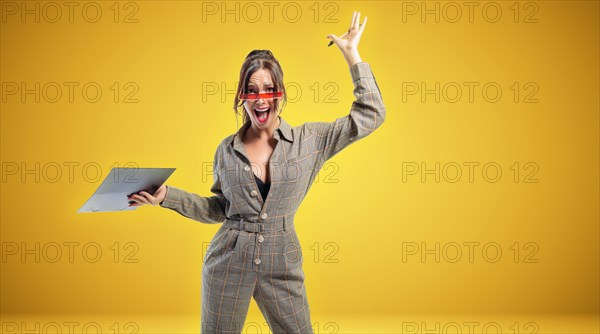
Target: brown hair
[256,60]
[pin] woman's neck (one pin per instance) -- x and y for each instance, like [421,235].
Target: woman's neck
[259,134]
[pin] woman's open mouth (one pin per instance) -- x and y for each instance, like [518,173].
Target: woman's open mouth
[262,114]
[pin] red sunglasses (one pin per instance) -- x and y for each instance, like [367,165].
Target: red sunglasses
[256,96]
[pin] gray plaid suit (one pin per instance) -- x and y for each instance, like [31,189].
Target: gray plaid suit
[256,252]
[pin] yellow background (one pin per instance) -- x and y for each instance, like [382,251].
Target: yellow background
[359,215]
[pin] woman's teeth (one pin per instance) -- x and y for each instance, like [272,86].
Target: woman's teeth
[262,114]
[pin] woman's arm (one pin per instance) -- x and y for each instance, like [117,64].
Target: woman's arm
[367,112]
[209,210]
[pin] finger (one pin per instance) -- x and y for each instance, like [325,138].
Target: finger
[133,202]
[362,26]
[137,199]
[140,199]
[151,199]
[357,21]
[352,21]
[145,194]
[333,37]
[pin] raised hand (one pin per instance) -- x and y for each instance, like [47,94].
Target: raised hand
[348,42]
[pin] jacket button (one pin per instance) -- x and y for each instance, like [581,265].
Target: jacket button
[261,238]
[257,261]
[246,168]
[253,193]
[264,215]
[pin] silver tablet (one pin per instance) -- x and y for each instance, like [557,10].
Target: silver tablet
[122,182]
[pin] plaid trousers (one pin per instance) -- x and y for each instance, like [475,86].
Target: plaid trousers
[256,252]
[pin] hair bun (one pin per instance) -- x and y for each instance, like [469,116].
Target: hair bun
[256,53]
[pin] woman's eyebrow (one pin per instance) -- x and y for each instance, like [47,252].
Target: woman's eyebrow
[267,84]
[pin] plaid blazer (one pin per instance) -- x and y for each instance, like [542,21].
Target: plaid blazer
[299,154]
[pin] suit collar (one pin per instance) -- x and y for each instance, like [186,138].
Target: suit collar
[283,131]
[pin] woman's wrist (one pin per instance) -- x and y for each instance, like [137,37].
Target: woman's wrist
[352,57]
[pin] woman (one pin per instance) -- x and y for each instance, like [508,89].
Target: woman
[256,252]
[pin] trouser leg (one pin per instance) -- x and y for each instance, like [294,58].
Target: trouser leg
[289,314]
[280,292]
[227,286]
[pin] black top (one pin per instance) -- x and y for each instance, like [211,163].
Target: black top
[263,187]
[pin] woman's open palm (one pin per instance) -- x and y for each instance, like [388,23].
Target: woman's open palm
[349,40]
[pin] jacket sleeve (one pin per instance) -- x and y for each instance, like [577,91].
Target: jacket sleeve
[366,114]
[209,210]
